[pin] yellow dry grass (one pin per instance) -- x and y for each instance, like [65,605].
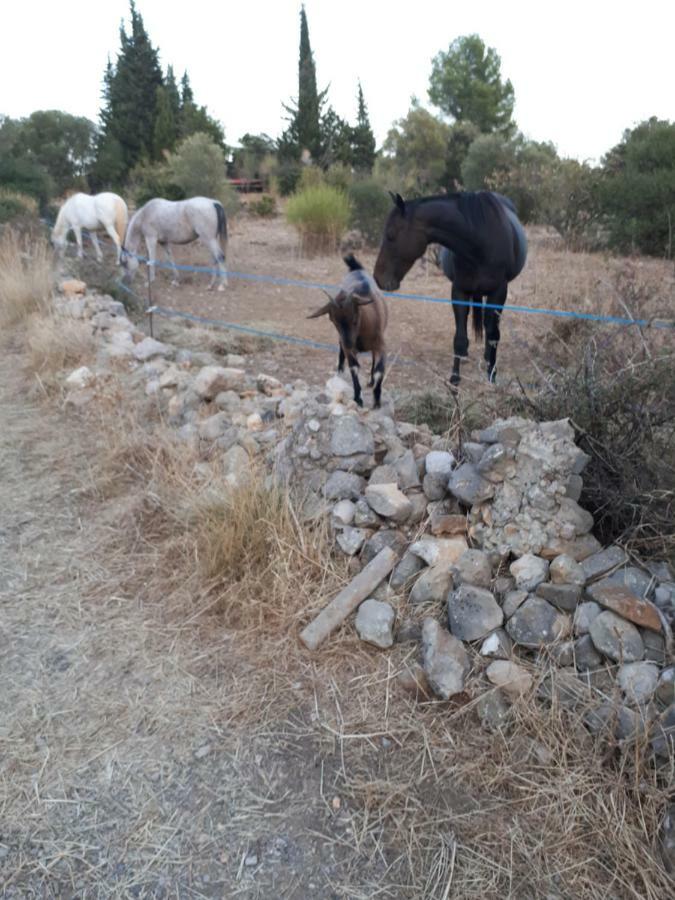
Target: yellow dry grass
[25,277]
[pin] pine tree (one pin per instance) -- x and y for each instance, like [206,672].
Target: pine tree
[165,133]
[186,94]
[363,139]
[172,92]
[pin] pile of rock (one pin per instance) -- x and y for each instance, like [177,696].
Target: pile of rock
[499,579]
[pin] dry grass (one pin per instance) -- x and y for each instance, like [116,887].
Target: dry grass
[56,344]
[25,277]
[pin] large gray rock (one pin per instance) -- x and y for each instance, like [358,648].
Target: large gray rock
[529,571]
[434,487]
[599,564]
[350,437]
[616,638]
[439,550]
[638,681]
[473,613]
[564,597]
[565,570]
[375,623]
[469,486]
[444,659]
[432,585]
[343,486]
[388,501]
[638,582]
[536,623]
[473,567]
[384,475]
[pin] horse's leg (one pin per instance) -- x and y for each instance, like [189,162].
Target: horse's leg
[372,371]
[218,256]
[112,234]
[96,245]
[461,342]
[169,256]
[492,317]
[341,360]
[151,244]
[78,238]
[354,368]
[378,378]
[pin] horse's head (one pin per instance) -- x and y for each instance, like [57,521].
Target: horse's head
[58,242]
[129,262]
[403,242]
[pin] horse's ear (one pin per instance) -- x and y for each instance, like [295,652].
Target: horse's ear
[357,300]
[398,201]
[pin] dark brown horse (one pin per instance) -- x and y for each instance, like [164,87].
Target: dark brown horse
[485,249]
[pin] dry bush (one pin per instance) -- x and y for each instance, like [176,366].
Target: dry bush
[25,277]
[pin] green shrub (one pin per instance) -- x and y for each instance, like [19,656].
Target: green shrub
[198,169]
[287,178]
[14,205]
[265,207]
[311,176]
[150,180]
[25,176]
[321,216]
[370,207]
[339,176]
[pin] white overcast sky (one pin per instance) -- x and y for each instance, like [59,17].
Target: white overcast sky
[583,70]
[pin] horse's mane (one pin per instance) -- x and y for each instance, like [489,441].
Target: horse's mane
[476,207]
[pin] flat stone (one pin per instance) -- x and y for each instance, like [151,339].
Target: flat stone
[565,570]
[655,646]
[384,475]
[473,613]
[406,469]
[469,486]
[635,580]
[616,638]
[473,567]
[388,501]
[409,631]
[599,564]
[439,550]
[512,679]
[536,623]
[444,523]
[343,486]
[444,659]
[492,710]
[350,436]
[586,657]
[404,571]
[351,539]
[432,585]
[343,512]
[564,597]
[512,600]
[497,645]
[148,348]
[375,623]
[439,462]
[418,503]
[622,601]
[579,548]
[638,681]
[529,571]
[584,615]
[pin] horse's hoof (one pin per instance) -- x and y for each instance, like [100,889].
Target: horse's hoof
[454,380]
[358,401]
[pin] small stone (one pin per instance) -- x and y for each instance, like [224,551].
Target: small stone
[497,463]
[564,597]
[492,709]
[622,601]
[638,681]
[268,384]
[339,390]
[406,469]
[664,596]
[443,523]
[351,539]
[564,687]
[80,378]
[343,486]
[211,380]
[655,646]
[512,679]
[469,486]
[473,612]
[579,548]
[574,486]
[440,463]
[388,501]
[565,570]
[254,422]
[404,571]
[663,734]
[584,614]
[384,475]
[536,623]
[634,579]
[439,550]
[665,688]
[432,585]
[586,657]
[386,537]
[236,465]
[343,512]
[203,751]
[212,428]
[600,563]
[419,506]
[512,601]
[444,659]
[251,860]
[502,585]
[409,632]
[667,839]
[413,680]
[73,287]
[148,348]
[616,638]
[623,723]
[473,567]
[497,645]
[375,623]
[529,571]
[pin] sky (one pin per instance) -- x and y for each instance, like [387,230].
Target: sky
[582,71]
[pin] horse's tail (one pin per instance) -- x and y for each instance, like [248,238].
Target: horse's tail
[121,219]
[477,310]
[222,221]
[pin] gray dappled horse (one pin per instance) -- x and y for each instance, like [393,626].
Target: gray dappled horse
[485,249]
[167,222]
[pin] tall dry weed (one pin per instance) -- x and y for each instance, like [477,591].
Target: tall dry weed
[26,277]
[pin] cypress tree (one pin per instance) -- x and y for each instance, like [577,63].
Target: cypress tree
[308,114]
[172,92]
[165,132]
[363,139]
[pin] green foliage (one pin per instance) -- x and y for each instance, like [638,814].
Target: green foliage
[466,84]
[255,157]
[25,176]
[370,205]
[362,138]
[61,144]
[462,135]
[14,205]
[339,176]
[415,152]
[265,208]
[304,129]
[311,176]
[638,189]
[198,169]
[288,177]
[321,215]
[150,180]
[165,132]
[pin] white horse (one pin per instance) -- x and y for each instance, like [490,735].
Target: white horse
[80,211]
[166,222]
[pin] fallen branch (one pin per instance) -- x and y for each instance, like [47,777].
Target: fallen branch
[348,599]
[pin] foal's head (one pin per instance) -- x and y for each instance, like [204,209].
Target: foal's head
[403,242]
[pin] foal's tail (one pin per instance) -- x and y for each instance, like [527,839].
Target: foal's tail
[477,310]
[222,221]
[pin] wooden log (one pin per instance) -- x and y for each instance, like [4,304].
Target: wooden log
[348,599]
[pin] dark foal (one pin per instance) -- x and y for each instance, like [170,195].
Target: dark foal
[484,249]
[359,314]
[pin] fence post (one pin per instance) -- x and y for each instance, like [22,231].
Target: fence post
[148,309]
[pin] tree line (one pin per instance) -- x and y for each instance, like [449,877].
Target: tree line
[154,138]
